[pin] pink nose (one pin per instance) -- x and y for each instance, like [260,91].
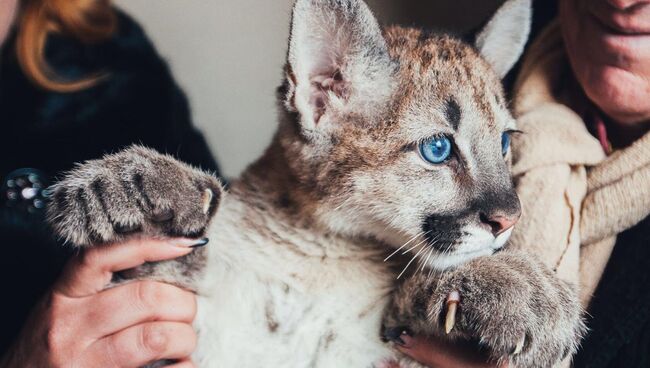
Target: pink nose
[500,223]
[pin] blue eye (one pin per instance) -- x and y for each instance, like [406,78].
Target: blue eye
[435,150]
[505,143]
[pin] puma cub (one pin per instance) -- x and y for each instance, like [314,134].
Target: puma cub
[389,141]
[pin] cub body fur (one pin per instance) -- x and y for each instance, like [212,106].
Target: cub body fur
[288,297]
[299,270]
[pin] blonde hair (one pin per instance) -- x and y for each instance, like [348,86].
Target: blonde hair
[88,21]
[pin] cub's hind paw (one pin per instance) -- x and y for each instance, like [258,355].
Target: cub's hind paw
[134,191]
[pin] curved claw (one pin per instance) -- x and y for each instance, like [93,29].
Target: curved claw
[520,345]
[207,200]
[452,306]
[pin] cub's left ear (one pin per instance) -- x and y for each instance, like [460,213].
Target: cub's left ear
[502,40]
[338,62]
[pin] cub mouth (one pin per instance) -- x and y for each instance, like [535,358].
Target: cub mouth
[451,247]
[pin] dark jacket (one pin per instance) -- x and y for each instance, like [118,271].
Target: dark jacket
[619,315]
[139,102]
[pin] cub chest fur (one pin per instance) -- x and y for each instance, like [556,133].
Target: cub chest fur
[288,297]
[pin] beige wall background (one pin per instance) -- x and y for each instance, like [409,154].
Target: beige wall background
[228,57]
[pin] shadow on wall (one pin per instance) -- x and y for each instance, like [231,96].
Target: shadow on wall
[458,16]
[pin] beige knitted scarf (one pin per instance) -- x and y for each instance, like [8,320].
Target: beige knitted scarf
[575,199]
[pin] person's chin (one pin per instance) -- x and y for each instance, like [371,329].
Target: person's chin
[620,93]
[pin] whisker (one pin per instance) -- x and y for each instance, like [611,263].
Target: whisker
[405,244]
[445,250]
[411,261]
[431,247]
[416,245]
[426,260]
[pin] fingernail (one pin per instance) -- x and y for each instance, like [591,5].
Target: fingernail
[400,336]
[192,243]
[408,340]
[200,243]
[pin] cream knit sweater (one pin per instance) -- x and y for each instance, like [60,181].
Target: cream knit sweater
[575,199]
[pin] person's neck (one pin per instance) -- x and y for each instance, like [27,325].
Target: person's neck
[619,134]
[622,135]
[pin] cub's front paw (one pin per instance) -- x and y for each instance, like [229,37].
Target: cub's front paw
[513,306]
[136,190]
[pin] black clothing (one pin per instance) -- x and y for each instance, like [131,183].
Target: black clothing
[138,102]
[619,319]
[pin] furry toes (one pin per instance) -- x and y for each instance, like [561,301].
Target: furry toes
[135,191]
[512,306]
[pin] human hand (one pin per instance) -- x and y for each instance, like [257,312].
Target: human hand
[435,353]
[80,323]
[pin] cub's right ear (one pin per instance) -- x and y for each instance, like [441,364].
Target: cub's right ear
[502,40]
[337,63]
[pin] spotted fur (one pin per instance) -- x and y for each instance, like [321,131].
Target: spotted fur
[341,227]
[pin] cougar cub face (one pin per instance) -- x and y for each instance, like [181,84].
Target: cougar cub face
[402,135]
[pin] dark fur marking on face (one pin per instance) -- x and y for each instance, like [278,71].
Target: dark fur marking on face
[426,59]
[444,54]
[284,200]
[503,201]
[425,35]
[402,41]
[481,99]
[442,231]
[458,74]
[452,112]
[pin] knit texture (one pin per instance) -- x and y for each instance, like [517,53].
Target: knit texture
[575,199]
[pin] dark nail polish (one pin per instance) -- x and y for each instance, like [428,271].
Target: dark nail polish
[201,243]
